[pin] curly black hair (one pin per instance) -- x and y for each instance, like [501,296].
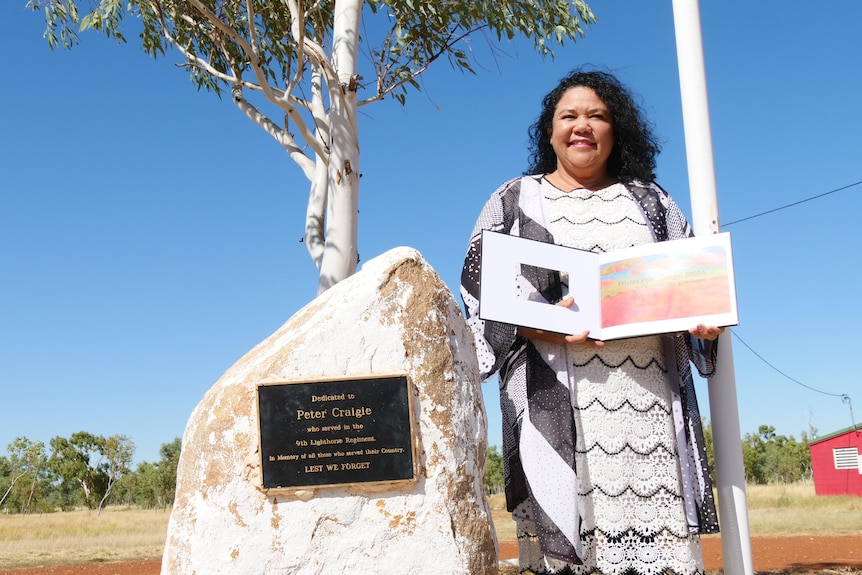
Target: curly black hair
[635,146]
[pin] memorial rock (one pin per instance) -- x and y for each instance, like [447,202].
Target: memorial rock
[395,320]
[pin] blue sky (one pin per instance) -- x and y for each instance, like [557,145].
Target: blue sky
[149,234]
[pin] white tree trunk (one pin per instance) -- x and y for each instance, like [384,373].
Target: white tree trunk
[11,485]
[315,237]
[340,252]
[315,217]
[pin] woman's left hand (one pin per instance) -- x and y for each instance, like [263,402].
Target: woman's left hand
[709,332]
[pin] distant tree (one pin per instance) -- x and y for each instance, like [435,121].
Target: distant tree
[749,460]
[117,454]
[771,458]
[794,463]
[150,484]
[26,461]
[803,453]
[79,461]
[754,454]
[302,61]
[123,492]
[148,488]
[493,479]
[138,487]
[12,471]
[709,446]
[167,470]
[5,475]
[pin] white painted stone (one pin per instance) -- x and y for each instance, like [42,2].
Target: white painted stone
[394,316]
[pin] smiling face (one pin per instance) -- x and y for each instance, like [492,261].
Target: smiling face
[582,136]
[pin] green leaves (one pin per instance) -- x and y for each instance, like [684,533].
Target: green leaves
[420,32]
[493,480]
[27,459]
[82,469]
[222,41]
[771,458]
[61,17]
[105,18]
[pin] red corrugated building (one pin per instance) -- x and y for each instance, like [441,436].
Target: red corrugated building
[836,461]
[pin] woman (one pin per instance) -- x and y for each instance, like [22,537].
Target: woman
[603,447]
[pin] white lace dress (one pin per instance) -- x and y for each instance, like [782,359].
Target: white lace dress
[631,502]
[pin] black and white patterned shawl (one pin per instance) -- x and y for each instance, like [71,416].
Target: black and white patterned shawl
[535,401]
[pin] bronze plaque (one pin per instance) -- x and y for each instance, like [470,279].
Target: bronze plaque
[327,433]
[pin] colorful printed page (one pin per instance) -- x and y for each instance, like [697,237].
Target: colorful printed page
[654,288]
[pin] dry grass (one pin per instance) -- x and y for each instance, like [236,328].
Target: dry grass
[121,534]
[118,534]
[795,509]
[503,523]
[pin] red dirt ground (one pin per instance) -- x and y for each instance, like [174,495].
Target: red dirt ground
[808,553]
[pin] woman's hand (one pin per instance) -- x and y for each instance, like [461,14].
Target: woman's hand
[709,332]
[559,338]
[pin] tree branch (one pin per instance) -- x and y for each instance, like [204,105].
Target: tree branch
[382,93]
[283,100]
[252,31]
[297,25]
[282,136]
[317,109]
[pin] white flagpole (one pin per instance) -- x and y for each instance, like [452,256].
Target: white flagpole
[724,411]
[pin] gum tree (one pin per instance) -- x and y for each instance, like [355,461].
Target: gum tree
[92,462]
[293,67]
[117,453]
[78,461]
[26,460]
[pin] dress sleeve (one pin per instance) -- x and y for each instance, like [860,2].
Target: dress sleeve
[703,354]
[493,339]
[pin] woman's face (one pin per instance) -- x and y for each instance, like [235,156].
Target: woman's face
[582,134]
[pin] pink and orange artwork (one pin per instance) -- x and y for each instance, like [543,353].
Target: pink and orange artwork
[665,286]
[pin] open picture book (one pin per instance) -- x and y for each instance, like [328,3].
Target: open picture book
[649,289]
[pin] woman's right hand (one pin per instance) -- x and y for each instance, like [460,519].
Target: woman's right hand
[559,338]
